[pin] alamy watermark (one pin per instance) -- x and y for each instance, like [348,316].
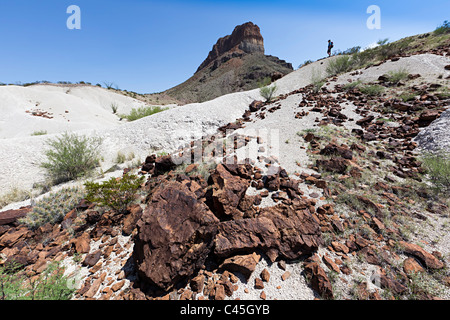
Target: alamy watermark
[374,21]
[74,20]
[231,147]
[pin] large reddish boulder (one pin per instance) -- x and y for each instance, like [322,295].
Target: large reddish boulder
[280,231]
[429,260]
[319,280]
[11,216]
[175,235]
[228,191]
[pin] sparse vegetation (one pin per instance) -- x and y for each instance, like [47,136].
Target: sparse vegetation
[115,193]
[114,107]
[53,208]
[71,156]
[39,133]
[438,167]
[372,90]
[142,112]
[398,75]
[352,85]
[266,90]
[51,284]
[317,80]
[444,28]
[14,195]
[339,65]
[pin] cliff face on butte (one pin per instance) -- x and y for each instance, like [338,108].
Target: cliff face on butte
[237,62]
[245,38]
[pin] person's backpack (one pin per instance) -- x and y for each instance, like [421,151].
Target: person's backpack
[332,45]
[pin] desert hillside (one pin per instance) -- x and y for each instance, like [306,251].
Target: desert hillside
[324,191]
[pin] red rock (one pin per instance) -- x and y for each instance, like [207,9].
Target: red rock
[259,284]
[335,150]
[279,231]
[118,285]
[340,247]
[255,106]
[393,285]
[285,275]
[11,237]
[263,295]
[244,265]
[425,257]
[330,263]
[219,292]
[265,275]
[197,283]
[130,221]
[337,165]
[228,191]
[319,280]
[164,164]
[82,243]
[175,236]
[429,115]
[92,258]
[11,216]
[411,266]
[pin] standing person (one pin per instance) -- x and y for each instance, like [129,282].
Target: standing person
[330,46]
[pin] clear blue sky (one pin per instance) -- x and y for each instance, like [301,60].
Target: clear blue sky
[149,46]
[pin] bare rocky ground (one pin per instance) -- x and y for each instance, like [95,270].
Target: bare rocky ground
[331,203]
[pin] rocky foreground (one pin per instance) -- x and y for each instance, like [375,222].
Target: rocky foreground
[361,224]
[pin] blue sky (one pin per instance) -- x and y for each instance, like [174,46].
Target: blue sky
[149,46]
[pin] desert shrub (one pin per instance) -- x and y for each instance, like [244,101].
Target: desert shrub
[71,156]
[54,207]
[398,75]
[142,112]
[352,50]
[437,165]
[443,28]
[407,96]
[13,195]
[115,193]
[49,285]
[39,133]
[339,65]
[317,80]
[382,42]
[372,90]
[352,85]
[305,63]
[114,107]
[268,92]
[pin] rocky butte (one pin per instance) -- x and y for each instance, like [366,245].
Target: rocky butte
[236,63]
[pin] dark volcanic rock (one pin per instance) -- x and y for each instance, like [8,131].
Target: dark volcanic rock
[280,231]
[228,191]
[175,235]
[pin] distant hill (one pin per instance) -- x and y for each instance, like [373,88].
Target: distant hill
[237,62]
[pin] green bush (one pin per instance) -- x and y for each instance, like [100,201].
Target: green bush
[443,28]
[438,168]
[339,65]
[49,285]
[142,112]
[115,193]
[398,75]
[53,207]
[317,80]
[268,92]
[71,156]
[372,90]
